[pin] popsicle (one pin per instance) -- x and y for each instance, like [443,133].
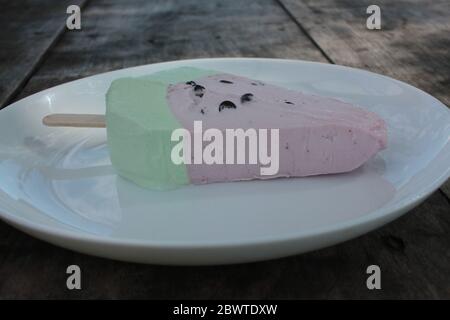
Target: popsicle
[317,135]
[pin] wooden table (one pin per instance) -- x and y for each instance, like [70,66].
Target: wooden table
[38,52]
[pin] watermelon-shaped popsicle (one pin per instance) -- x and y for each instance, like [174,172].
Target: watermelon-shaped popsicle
[316,135]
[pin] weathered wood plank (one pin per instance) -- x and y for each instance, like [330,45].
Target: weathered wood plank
[29,29]
[413,44]
[119,34]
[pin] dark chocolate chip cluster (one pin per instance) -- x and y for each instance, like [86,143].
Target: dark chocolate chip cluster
[199,92]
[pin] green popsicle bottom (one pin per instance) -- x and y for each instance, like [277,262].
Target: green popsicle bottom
[140,124]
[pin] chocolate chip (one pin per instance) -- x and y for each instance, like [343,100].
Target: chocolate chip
[198,87]
[198,90]
[246,97]
[227,105]
[191,83]
[226,81]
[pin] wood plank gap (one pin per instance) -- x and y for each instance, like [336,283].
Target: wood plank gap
[305,32]
[446,196]
[23,83]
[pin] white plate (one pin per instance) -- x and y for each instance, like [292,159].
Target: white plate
[57,184]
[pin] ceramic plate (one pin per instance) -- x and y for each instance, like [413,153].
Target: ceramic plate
[58,185]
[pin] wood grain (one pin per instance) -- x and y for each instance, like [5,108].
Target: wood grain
[118,34]
[413,252]
[29,29]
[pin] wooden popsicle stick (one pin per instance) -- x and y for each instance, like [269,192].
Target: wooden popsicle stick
[75,120]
